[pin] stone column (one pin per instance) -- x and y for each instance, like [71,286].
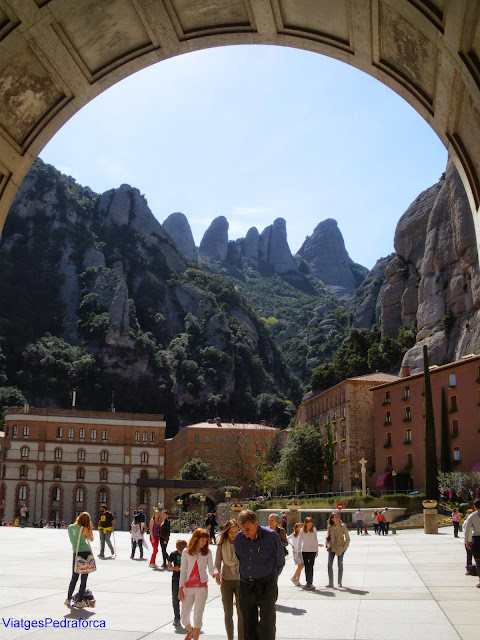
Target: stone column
[430,519]
[292,518]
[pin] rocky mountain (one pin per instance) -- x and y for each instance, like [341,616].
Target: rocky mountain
[96,296]
[325,253]
[178,228]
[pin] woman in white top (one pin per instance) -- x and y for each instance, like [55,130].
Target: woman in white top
[308,549]
[193,586]
[137,529]
[294,539]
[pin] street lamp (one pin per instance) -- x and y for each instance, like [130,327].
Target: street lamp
[297,480]
[126,520]
[228,495]
[202,502]
[160,507]
[394,475]
[180,504]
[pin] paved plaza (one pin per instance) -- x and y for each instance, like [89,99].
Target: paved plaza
[398,587]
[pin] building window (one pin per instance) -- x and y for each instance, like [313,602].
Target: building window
[456,454]
[137,436]
[217,452]
[388,463]
[452,380]
[25,452]
[56,494]
[145,436]
[70,433]
[144,457]
[409,460]
[388,440]
[218,440]
[454,428]
[196,438]
[26,430]
[102,496]
[247,466]
[152,437]
[453,403]
[248,440]
[408,435]
[388,418]
[406,393]
[22,492]
[228,466]
[196,453]
[103,475]
[57,473]
[207,439]
[143,496]
[207,453]
[59,432]
[82,434]
[23,471]
[81,455]
[79,495]
[229,439]
[408,414]
[104,434]
[58,454]
[246,453]
[80,473]
[104,456]
[386,397]
[218,466]
[93,434]
[258,453]
[15,430]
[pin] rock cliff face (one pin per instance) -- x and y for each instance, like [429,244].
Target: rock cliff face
[325,253]
[214,243]
[366,303]
[178,228]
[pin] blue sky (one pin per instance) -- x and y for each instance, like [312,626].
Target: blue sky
[255,133]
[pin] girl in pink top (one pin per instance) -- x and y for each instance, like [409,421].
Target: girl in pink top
[193,587]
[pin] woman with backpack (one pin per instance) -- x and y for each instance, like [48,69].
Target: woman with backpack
[137,529]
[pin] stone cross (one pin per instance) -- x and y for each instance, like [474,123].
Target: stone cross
[363,462]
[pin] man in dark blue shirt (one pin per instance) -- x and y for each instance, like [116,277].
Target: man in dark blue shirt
[261,560]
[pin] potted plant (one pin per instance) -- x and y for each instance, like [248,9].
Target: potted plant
[293,505]
[429,504]
[236,506]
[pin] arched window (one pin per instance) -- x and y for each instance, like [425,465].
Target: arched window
[103,475]
[82,434]
[104,434]
[59,432]
[22,492]
[152,436]
[70,433]
[25,451]
[58,454]
[80,473]
[137,436]
[79,495]
[144,457]
[145,436]
[56,494]
[143,474]
[143,496]
[57,473]
[81,455]
[102,496]
[26,430]
[104,456]
[23,471]
[93,434]
[15,430]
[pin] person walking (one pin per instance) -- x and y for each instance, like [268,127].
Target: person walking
[381,523]
[106,525]
[82,528]
[174,563]
[472,536]
[387,520]
[164,536]
[308,549]
[261,560]
[456,522]
[228,577]
[375,522]
[359,518]
[154,528]
[293,539]
[193,585]
[282,534]
[468,552]
[210,524]
[23,516]
[137,529]
[337,542]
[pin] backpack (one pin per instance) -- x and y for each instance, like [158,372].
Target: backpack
[284,520]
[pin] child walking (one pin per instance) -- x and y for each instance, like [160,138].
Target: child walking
[137,529]
[294,539]
[308,549]
[193,587]
[174,562]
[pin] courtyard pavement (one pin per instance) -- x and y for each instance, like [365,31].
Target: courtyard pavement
[398,587]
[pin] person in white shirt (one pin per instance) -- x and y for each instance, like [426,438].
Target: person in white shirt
[387,520]
[472,536]
[293,539]
[193,586]
[359,518]
[308,549]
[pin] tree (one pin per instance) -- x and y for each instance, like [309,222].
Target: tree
[302,457]
[329,457]
[431,465]
[445,457]
[194,469]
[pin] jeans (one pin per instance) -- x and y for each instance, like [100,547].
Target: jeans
[331,558]
[140,547]
[476,552]
[309,561]
[456,526]
[386,526]
[23,521]
[163,545]
[83,579]
[360,526]
[105,538]
[175,600]
[258,597]
[228,589]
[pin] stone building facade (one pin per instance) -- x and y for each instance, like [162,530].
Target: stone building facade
[60,463]
[400,425]
[347,408]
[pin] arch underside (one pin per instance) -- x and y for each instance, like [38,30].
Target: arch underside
[57,55]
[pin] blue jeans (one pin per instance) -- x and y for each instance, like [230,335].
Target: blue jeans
[105,538]
[331,558]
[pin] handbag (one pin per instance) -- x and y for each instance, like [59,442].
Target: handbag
[84,565]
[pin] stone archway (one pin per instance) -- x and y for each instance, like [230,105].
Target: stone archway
[57,55]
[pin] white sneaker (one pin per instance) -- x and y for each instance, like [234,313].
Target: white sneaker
[152,564]
[68,602]
[81,604]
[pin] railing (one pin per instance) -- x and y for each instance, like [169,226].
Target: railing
[327,494]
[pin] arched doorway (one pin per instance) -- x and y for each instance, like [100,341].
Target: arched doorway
[57,55]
